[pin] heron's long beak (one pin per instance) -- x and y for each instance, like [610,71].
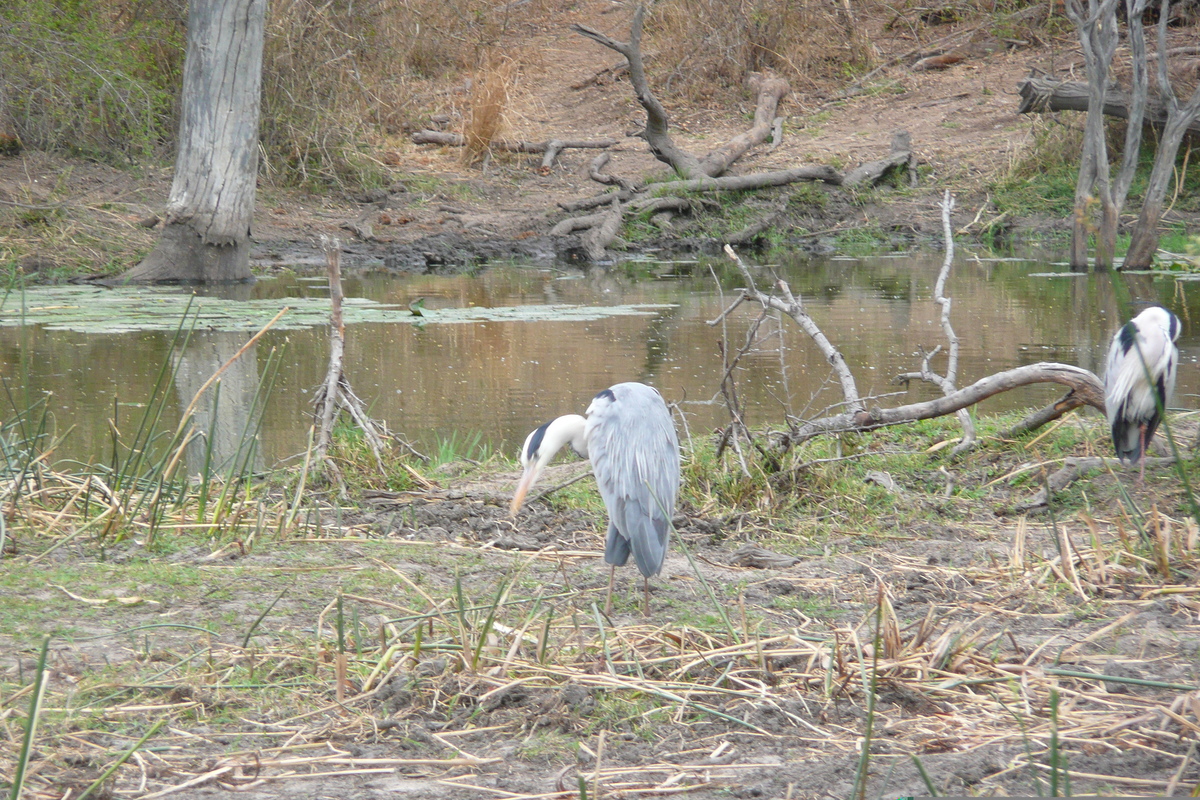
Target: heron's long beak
[522,489]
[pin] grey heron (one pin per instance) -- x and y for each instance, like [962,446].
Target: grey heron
[630,439]
[1139,379]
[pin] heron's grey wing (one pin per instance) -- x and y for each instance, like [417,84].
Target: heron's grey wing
[1122,374]
[635,457]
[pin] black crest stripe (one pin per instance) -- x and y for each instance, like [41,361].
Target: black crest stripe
[1127,335]
[535,441]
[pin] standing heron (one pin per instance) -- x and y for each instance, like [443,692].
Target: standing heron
[630,438]
[1139,380]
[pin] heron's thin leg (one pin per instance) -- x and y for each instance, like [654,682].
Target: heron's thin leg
[646,593]
[612,574]
[1142,437]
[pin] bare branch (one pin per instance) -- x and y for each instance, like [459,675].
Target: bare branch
[1084,384]
[656,132]
[549,149]
[1069,402]
[327,402]
[599,163]
[791,306]
[771,90]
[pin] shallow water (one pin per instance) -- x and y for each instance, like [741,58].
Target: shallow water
[441,376]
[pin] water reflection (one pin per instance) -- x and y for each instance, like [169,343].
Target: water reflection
[224,412]
[500,379]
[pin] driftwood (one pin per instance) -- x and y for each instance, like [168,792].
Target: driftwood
[945,382]
[770,91]
[707,174]
[790,305]
[549,149]
[874,171]
[1041,94]
[726,183]
[1083,383]
[757,180]
[596,240]
[656,133]
[594,172]
[1086,388]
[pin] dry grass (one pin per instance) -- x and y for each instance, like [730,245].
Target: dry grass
[489,106]
[493,662]
[702,45]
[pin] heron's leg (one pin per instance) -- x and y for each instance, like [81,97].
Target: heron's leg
[646,593]
[612,574]
[1142,448]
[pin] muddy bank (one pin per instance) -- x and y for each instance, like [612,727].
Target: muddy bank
[775,221]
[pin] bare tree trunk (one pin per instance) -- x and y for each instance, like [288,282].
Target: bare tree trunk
[211,204]
[1144,241]
[1139,96]
[1097,27]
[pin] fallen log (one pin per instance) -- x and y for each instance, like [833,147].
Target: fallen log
[1083,383]
[1041,94]
[599,237]
[550,148]
[873,172]
[758,180]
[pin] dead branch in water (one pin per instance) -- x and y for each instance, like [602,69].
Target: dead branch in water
[1086,388]
[335,393]
[945,382]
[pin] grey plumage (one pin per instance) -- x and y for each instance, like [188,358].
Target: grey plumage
[1139,379]
[635,456]
[630,438]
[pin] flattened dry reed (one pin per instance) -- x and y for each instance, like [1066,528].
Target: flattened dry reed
[964,664]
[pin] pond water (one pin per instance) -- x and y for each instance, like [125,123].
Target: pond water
[498,353]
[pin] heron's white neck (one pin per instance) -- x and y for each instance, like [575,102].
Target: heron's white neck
[542,445]
[569,429]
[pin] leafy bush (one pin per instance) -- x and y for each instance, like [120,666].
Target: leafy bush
[99,79]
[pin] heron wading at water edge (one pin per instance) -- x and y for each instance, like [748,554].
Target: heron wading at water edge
[629,437]
[1139,380]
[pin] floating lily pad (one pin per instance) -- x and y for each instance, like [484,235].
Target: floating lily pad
[87,309]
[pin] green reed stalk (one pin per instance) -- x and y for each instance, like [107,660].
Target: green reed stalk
[860,778]
[35,709]
[206,467]
[929,787]
[104,776]
[159,397]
